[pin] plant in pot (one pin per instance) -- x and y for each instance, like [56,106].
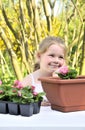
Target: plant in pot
[24,98]
[38,97]
[66,73]
[14,98]
[4,97]
[3,105]
[66,90]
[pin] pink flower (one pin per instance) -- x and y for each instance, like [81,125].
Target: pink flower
[1,91]
[63,70]
[18,84]
[0,82]
[33,88]
[14,91]
[35,93]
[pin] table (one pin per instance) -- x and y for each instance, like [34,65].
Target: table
[47,119]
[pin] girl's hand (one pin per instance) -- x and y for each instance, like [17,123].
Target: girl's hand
[54,74]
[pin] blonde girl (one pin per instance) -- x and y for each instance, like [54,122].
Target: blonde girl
[51,56]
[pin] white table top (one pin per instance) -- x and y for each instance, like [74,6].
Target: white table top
[46,119]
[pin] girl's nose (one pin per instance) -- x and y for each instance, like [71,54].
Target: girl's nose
[56,59]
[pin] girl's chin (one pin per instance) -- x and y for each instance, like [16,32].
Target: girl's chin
[52,71]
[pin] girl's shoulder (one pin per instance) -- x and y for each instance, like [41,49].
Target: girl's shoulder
[30,79]
[27,81]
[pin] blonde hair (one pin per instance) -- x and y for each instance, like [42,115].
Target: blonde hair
[50,40]
[46,43]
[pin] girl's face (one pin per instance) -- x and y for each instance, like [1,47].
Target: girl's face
[52,59]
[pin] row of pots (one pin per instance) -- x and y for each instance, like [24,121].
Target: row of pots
[20,109]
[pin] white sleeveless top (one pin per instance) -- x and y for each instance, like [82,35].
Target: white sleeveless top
[38,87]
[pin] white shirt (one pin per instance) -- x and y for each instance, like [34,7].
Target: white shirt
[38,86]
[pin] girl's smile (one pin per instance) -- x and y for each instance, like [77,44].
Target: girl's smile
[52,59]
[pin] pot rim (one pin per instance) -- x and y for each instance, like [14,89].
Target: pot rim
[79,79]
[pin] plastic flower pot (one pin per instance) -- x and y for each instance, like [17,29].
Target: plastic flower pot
[3,107]
[13,108]
[36,106]
[65,95]
[26,109]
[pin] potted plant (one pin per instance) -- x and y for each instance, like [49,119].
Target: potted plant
[24,98]
[66,91]
[2,97]
[4,88]
[38,97]
[16,99]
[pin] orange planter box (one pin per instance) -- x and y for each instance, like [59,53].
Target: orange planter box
[65,95]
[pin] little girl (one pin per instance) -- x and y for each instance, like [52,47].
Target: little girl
[51,56]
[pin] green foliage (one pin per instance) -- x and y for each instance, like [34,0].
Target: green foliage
[71,74]
[18,95]
[5,87]
[39,97]
[15,92]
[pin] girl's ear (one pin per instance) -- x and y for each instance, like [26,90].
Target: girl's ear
[38,55]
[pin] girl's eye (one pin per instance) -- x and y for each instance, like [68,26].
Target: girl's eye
[61,57]
[52,55]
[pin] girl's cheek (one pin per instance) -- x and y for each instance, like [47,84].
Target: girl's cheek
[63,63]
[48,59]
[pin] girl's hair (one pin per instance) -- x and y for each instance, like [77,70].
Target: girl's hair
[50,40]
[46,43]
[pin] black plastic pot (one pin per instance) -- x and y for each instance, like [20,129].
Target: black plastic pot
[26,109]
[3,107]
[13,108]
[36,108]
